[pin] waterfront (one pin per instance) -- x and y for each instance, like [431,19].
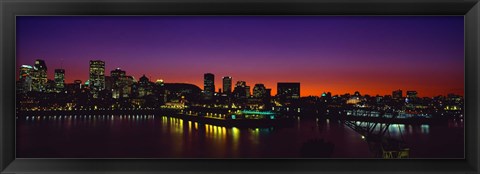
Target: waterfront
[153,136]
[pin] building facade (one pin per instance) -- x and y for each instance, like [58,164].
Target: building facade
[39,76]
[97,77]
[227,85]
[208,85]
[59,80]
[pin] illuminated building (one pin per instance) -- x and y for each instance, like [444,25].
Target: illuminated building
[398,94]
[59,80]
[25,78]
[259,91]
[119,82]
[354,100]
[227,85]
[39,76]
[97,76]
[288,90]
[25,71]
[208,85]
[144,86]
[129,88]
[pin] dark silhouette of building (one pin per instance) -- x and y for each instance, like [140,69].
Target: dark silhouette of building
[208,85]
[241,90]
[227,85]
[397,94]
[175,92]
[412,94]
[288,90]
[259,91]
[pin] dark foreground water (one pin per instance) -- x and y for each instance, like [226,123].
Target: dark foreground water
[150,136]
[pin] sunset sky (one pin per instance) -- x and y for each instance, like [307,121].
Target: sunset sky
[338,54]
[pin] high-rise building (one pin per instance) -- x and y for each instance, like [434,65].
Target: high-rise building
[288,90]
[59,80]
[208,85]
[25,78]
[97,76]
[119,81]
[397,94]
[259,91]
[39,76]
[227,85]
[25,71]
[144,87]
[117,73]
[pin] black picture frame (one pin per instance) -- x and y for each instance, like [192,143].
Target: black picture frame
[11,8]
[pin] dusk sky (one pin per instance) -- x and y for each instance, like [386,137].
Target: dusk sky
[338,54]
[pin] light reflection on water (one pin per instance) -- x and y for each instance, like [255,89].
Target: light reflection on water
[193,139]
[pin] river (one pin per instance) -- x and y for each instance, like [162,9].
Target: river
[155,136]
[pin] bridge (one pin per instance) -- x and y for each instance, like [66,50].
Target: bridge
[377,135]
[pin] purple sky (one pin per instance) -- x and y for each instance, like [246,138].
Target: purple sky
[371,54]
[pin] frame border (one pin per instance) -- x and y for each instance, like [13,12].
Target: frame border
[11,8]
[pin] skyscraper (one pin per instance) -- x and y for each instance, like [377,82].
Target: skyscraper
[208,85]
[59,80]
[39,76]
[288,90]
[26,78]
[144,87]
[97,76]
[227,85]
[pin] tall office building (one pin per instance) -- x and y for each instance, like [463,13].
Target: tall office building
[227,85]
[97,76]
[59,80]
[208,85]
[119,79]
[25,71]
[25,78]
[144,87]
[397,94]
[288,90]
[39,76]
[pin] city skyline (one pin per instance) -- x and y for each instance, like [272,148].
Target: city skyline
[61,78]
[288,57]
